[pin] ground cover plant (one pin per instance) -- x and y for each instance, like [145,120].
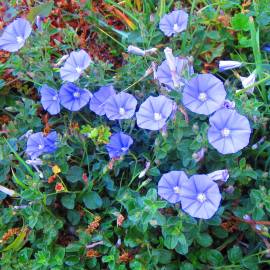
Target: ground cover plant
[134,134]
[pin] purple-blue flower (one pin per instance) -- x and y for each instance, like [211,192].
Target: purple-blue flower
[119,145]
[154,112]
[120,106]
[170,186]
[229,131]
[204,94]
[174,23]
[219,175]
[50,99]
[15,35]
[51,142]
[266,47]
[173,80]
[200,196]
[228,64]
[74,66]
[99,99]
[38,144]
[72,97]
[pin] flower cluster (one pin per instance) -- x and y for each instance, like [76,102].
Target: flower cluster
[39,144]
[199,195]
[204,94]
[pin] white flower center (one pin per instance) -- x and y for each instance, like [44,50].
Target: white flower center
[78,69]
[225,132]
[122,111]
[124,149]
[177,190]
[202,97]
[19,39]
[55,97]
[176,28]
[201,197]
[76,94]
[157,116]
[40,146]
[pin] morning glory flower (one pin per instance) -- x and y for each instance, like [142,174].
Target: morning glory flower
[120,106]
[198,156]
[138,51]
[170,71]
[228,64]
[154,112]
[51,142]
[35,163]
[99,99]
[15,35]
[248,81]
[229,131]
[174,23]
[170,186]
[204,94]
[72,97]
[219,175]
[38,144]
[119,145]
[74,66]
[50,99]
[200,196]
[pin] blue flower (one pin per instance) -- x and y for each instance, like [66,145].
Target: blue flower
[120,106]
[15,35]
[228,64]
[154,112]
[204,94]
[174,22]
[50,99]
[119,145]
[229,131]
[97,102]
[200,196]
[38,144]
[74,66]
[170,186]
[72,97]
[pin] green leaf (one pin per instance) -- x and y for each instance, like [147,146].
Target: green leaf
[58,257]
[204,240]
[214,257]
[74,174]
[72,260]
[170,241]
[92,200]
[182,246]
[234,254]
[73,217]
[41,10]
[68,201]
[240,22]
[250,263]
[18,243]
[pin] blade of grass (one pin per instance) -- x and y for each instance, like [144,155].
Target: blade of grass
[184,42]
[161,8]
[18,181]
[257,55]
[127,12]
[29,170]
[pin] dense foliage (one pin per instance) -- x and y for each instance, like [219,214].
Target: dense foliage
[80,206]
